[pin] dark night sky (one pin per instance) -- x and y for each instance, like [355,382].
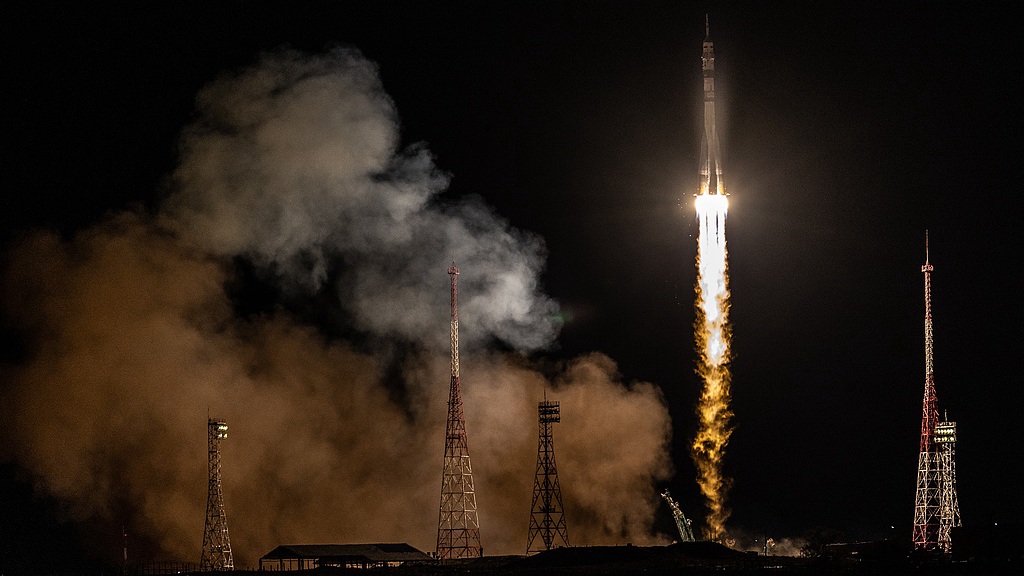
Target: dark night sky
[847,131]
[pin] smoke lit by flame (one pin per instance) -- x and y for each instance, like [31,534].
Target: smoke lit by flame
[134,331]
[712,337]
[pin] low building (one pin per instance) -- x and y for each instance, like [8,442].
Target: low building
[310,556]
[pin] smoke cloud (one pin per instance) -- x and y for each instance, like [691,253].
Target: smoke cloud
[295,163]
[132,341]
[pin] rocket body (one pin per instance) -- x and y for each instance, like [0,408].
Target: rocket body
[710,152]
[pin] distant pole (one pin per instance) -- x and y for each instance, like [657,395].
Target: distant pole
[547,518]
[216,544]
[458,527]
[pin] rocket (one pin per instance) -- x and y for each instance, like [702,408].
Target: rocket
[710,153]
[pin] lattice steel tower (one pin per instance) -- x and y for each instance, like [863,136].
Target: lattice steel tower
[936,510]
[683,524]
[949,507]
[458,527]
[216,545]
[547,518]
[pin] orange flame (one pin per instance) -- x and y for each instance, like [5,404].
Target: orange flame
[713,340]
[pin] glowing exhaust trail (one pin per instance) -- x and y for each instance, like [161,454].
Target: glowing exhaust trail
[712,337]
[711,328]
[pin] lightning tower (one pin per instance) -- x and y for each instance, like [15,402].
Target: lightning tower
[547,518]
[458,527]
[936,510]
[216,545]
[949,507]
[711,327]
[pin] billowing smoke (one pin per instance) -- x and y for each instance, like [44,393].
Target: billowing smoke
[133,340]
[295,163]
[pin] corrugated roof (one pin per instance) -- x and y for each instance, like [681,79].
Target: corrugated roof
[391,552]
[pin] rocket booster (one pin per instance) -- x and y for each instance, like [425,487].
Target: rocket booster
[710,153]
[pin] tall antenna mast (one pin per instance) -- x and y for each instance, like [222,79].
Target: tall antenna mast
[936,510]
[547,517]
[930,409]
[216,544]
[926,502]
[458,527]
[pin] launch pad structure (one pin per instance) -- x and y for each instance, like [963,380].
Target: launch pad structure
[936,510]
[683,524]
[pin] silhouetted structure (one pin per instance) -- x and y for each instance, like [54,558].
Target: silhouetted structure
[313,556]
[458,527]
[216,545]
[547,518]
[683,524]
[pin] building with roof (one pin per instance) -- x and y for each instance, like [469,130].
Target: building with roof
[310,556]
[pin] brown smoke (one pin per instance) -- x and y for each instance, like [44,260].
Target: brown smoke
[132,343]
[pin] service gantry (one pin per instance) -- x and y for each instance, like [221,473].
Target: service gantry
[683,524]
[216,544]
[458,527]
[936,510]
[547,516]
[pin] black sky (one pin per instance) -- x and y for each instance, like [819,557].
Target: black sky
[848,129]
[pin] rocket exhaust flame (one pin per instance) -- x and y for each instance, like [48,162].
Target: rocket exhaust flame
[712,338]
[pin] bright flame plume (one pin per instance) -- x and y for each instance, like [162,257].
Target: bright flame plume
[712,335]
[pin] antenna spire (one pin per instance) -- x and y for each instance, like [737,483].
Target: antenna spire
[458,526]
[936,510]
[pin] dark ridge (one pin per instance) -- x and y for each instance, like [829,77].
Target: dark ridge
[590,555]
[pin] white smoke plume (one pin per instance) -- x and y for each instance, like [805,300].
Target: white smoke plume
[132,341]
[295,163]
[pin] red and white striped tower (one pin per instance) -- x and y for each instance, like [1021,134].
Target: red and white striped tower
[458,527]
[936,510]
